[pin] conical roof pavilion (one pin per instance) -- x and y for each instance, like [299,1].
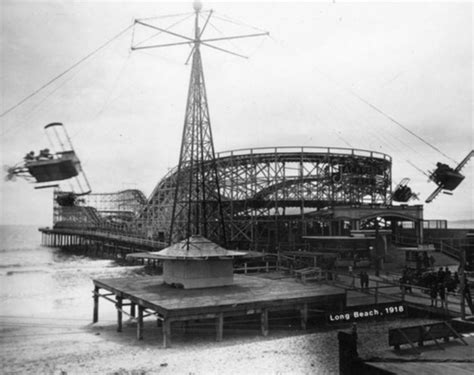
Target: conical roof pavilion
[196,247]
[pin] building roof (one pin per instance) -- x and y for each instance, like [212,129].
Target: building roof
[199,248]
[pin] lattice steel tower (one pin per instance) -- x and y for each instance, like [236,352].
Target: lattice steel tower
[197,201]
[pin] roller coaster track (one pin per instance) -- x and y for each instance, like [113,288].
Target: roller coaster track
[267,184]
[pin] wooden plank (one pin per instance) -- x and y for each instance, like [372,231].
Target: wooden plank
[153,294]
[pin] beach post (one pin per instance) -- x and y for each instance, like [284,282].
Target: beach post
[304,316]
[119,313]
[220,326]
[95,314]
[264,322]
[166,333]
[140,323]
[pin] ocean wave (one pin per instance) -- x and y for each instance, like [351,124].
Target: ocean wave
[16,265]
[23,271]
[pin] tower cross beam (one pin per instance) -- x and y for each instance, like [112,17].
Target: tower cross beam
[223,50]
[165,31]
[235,37]
[205,23]
[161,45]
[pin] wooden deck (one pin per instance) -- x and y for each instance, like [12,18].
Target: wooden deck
[248,295]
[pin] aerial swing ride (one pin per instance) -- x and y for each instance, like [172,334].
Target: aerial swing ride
[447,178]
[47,169]
[402,192]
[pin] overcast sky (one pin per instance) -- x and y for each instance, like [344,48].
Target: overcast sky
[125,109]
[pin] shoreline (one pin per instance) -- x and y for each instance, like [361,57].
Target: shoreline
[64,347]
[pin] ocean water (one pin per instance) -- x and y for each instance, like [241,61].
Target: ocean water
[42,282]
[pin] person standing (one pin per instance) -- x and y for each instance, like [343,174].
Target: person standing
[366,280]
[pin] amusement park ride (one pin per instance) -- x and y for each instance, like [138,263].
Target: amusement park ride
[46,169]
[402,192]
[447,178]
[244,192]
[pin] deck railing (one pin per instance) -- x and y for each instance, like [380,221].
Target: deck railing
[303,149]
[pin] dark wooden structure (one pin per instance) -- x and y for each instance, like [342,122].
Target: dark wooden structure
[248,295]
[420,334]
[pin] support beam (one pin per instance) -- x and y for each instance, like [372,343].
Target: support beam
[119,313]
[166,333]
[264,321]
[132,310]
[304,316]
[95,314]
[140,323]
[219,326]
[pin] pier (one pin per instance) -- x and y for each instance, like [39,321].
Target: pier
[98,242]
[249,295]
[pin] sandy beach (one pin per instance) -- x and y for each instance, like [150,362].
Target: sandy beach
[71,348]
[99,349]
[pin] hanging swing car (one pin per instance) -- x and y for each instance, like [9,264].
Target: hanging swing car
[47,167]
[402,192]
[447,178]
[51,167]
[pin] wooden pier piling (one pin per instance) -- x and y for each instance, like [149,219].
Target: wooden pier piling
[140,323]
[119,313]
[95,315]
[170,305]
[264,322]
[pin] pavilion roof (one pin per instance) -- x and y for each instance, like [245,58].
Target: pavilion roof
[196,247]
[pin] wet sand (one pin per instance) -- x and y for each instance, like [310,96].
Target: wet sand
[42,346]
[99,349]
